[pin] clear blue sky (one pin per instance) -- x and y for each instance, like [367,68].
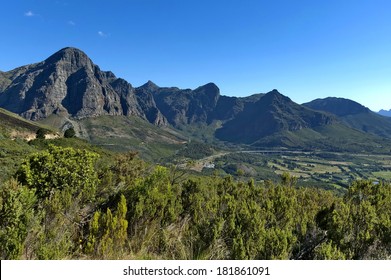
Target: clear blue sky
[304,48]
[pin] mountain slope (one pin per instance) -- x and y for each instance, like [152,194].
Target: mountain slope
[4,81]
[13,126]
[68,83]
[272,113]
[124,133]
[354,115]
[183,107]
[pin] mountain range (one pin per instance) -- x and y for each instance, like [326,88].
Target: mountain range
[386,113]
[69,90]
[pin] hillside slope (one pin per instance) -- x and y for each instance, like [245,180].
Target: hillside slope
[354,115]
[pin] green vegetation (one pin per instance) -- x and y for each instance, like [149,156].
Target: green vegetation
[70,133]
[41,133]
[14,126]
[327,170]
[122,134]
[195,150]
[67,199]
[67,203]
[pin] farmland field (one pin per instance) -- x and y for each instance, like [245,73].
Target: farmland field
[328,170]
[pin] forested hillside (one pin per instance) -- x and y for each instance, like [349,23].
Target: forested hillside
[68,203]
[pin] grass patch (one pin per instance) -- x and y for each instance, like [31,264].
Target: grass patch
[385,175]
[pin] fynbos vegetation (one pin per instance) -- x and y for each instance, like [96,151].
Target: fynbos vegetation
[66,203]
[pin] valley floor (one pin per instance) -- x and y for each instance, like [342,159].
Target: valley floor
[329,169]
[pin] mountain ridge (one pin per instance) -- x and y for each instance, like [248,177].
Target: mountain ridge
[386,113]
[70,86]
[354,115]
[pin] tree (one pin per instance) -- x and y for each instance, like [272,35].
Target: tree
[41,133]
[359,226]
[108,232]
[17,218]
[60,168]
[64,181]
[70,133]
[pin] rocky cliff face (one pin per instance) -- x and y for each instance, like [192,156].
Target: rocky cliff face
[146,101]
[183,107]
[69,83]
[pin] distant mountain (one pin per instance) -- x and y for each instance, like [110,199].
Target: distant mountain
[385,113]
[272,113]
[69,90]
[338,106]
[353,115]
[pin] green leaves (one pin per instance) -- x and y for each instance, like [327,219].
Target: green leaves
[108,233]
[60,168]
[359,226]
[17,218]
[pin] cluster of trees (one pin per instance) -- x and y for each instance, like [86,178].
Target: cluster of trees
[65,203]
[195,150]
[42,132]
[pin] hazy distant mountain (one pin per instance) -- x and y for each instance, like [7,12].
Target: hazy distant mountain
[68,88]
[354,115]
[385,113]
[337,106]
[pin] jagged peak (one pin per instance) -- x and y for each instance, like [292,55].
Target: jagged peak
[275,92]
[275,95]
[386,113]
[69,50]
[150,85]
[209,86]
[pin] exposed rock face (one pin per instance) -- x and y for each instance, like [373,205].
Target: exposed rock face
[68,82]
[4,81]
[148,106]
[182,107]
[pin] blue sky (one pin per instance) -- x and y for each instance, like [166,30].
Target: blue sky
[305,49]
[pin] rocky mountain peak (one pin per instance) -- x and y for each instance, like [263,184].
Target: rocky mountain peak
[275,94]
[209,87]
[71,56]
[67,53]
[209,93]
[149,86]
[66,83]
[275,97]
